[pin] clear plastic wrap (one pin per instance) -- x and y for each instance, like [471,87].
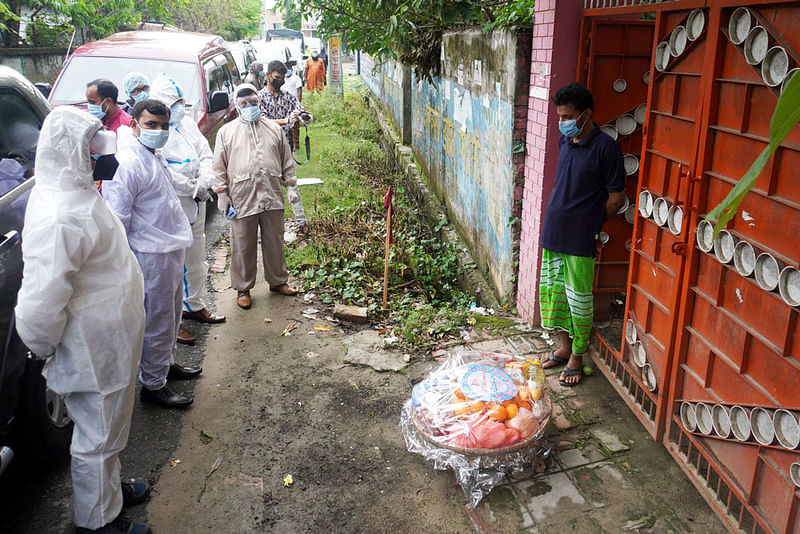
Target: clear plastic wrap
[482,416]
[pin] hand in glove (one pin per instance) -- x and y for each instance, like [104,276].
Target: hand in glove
[293,194]
[202,195]
[223,203]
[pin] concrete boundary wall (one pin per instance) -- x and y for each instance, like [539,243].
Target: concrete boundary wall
[467,131]
[36,64]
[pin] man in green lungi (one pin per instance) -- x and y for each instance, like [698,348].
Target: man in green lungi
[589,188]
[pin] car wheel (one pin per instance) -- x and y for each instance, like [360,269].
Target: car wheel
[45,425]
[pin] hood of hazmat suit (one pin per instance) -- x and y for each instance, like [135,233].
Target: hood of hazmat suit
[82,297]
[187,152]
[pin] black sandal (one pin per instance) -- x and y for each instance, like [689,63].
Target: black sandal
[551,357]
[569,371]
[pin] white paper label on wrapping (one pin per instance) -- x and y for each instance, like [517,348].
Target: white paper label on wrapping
[487,383]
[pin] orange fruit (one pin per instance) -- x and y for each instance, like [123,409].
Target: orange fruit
[477,407]
[498,413]
[458,394]
[507,402]
[525,404]
[511,411]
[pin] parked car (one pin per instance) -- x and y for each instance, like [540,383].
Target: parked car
[244,55]
[283,50]
[202,64]
[32,417]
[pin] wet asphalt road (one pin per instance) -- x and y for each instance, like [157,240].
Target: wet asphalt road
[41,502]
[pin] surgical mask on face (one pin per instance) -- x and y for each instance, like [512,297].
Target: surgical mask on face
[141,96]
[96,110]
[277,83]
[105,166]
[570,127]
[250,113]
[153,138]
[176,113]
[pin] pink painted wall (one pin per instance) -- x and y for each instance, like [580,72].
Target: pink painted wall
[554,59]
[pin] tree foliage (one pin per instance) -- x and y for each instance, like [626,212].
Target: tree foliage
[409,30]
[292,18]
[52,22]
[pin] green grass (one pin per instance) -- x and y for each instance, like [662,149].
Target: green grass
[343,259]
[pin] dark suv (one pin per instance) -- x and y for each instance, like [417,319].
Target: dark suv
[32,418]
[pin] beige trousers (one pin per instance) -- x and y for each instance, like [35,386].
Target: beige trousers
[244,250]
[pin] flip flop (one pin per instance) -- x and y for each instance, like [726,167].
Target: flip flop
[551,357]
[569,371]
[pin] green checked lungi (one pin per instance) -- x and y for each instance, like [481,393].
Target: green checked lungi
[565,296]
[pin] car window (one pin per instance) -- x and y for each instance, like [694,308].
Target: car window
[71,85]
[229,70]
[19,126]
[213,81]
[240,56]
[251,57]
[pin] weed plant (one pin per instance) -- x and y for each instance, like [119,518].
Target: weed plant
[343,260]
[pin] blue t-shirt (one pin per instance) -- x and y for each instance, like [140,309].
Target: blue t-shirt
[587,172]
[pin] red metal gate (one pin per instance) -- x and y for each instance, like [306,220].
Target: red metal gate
[717,343]
[736,345]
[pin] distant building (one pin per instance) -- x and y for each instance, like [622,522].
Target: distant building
[309,27]
[273,19]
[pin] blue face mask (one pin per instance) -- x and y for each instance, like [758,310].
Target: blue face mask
[176,113]
[250,113]
[141,96]
[570,128]
[153,138]
[96,110]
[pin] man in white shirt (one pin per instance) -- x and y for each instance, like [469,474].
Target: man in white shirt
[143,198]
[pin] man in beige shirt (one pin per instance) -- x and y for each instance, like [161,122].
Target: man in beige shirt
[252,160]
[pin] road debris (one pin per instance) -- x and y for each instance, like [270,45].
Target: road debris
[287,331]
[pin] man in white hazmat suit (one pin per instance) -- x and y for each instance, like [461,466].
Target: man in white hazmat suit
[252,160]
[189,158]
[143,197]
[81,307]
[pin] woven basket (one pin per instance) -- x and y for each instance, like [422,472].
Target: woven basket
[499,451]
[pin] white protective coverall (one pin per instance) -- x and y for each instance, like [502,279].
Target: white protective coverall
[143,197]
[82,304]
[189,158]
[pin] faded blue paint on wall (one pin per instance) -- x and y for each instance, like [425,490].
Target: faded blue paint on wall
[372,74]
[462,132]
[465,142]
[385,81]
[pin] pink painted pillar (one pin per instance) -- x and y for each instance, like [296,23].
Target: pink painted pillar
[554,59]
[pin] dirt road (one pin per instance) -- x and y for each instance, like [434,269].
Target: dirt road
[270,406]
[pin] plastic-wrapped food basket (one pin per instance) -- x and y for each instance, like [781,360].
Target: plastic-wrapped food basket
[477,415]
